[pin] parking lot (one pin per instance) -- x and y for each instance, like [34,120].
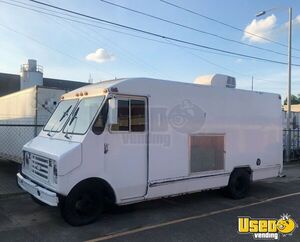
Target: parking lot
[205,216]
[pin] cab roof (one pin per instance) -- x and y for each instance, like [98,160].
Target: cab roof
[141,85]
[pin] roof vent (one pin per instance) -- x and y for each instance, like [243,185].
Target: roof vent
[216,80]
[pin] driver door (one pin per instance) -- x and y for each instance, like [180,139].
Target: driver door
[126,145]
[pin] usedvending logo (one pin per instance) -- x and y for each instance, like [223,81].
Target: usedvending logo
[267,229]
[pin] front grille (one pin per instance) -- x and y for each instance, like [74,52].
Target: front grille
[40,166]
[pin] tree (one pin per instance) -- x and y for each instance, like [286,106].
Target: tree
[294,99]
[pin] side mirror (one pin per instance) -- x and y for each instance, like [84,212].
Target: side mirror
[112,111]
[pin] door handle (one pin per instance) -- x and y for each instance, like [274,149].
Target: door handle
[105,148]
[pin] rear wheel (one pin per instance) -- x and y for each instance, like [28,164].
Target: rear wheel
[239,184]
[83,205]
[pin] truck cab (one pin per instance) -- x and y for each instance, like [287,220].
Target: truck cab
[71,162]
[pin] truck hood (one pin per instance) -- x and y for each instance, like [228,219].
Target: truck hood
[67,154]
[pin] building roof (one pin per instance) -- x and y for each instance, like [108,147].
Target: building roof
[63,84]
[10,83]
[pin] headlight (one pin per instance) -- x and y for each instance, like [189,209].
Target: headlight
[54,171]
[26,159]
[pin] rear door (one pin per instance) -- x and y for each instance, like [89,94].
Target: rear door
[126,146]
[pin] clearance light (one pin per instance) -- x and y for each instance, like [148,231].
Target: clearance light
[62,98]
[114,89]
[77,94]
[105,90]
[86,93]
[81,94]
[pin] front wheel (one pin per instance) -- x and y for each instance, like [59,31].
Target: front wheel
[83,205]
[239,184]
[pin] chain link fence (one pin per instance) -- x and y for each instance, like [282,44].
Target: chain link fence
[13,137]
[295,144]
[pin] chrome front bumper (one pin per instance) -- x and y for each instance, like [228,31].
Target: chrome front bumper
[40,193]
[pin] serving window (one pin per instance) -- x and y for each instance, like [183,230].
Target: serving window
[206,153]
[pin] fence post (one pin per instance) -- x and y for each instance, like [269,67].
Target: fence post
[36,111]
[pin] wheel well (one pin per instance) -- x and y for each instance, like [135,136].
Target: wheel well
[246,168]
[101,184]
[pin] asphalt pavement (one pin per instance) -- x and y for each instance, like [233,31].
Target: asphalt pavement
[204,216]
[8,171]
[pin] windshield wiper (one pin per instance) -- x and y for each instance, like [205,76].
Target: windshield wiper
[65,113]
[58,121]
[74,116]
[71,121]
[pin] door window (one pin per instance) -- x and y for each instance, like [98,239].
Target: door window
[100,122]
[137,116]
[123,116]
[131,116]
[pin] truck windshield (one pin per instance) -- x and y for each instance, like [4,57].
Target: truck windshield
[60,115]
[83,115]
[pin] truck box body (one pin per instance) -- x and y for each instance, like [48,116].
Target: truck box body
[22,116]
[250,122]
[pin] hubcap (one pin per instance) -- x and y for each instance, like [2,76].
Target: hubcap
[85,205]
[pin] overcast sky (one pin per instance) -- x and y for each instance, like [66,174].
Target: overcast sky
[73,51]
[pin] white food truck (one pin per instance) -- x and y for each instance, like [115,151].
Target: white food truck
[130,140]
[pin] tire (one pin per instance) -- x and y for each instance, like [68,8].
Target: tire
[239,184]
[37,201]
[83,205]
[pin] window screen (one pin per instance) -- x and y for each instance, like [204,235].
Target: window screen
[123,116]
[206,153]
[137,115]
